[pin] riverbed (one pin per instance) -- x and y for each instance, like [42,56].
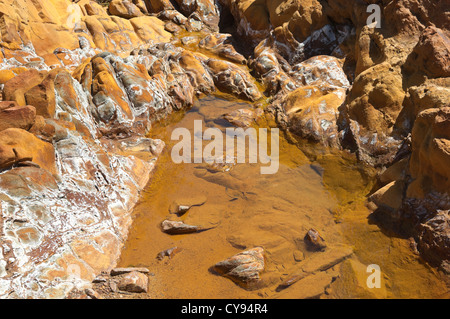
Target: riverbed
[314,188]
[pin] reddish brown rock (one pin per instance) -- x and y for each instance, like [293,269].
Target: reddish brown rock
[431,55]
[42,97]
[15,88]
[430,153]
[231,79]
[314,240]
[244,268]
[13,115]
[135,282]
[168,253]
[434,240]
[176,228]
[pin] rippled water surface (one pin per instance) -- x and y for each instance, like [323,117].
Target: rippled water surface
[312,189]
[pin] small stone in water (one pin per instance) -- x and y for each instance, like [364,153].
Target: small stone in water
[314,241]
[168,253]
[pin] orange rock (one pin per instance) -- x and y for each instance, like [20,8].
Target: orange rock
[17,145]
[64,88]
[105,87]
[43,130]
[431,55]
[312,113]
[198,76]
[124,8]
[134,282]
[6,75]
[13,115]
[231,79]
[156,6]
[42,96]
[150,28]
[430,153]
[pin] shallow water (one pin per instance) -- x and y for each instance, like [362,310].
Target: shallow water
[319,190]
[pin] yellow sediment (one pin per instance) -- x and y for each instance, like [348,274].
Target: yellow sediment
[314,188]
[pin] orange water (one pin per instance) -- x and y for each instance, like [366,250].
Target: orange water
[320,190]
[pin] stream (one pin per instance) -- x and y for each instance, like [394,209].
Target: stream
[313,188]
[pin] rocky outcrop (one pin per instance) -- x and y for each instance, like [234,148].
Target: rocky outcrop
[76,107]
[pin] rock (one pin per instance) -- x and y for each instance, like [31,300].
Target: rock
[200,10]
[430,153]
[244,117]
[22,181]
[312,112]
[156,6]
[177,228]
[99,280]
[431,55]
[43,130]
[221,44]
[168,253]
[199,77]
[298,256]
[113,286]
[150,28]
[290,281]
[124,9]
[272,69]
[135,282]
[244,268]
[309,287]
[91,293]
[16,87]
[434,240]
[314,240]
[372,109]
[231,79]
[17,145]
[121,271]
[394,172]
[254,23]
[389,197]
[13,115]
[182,205]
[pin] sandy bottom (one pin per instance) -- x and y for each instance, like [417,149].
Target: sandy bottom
[323,191]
